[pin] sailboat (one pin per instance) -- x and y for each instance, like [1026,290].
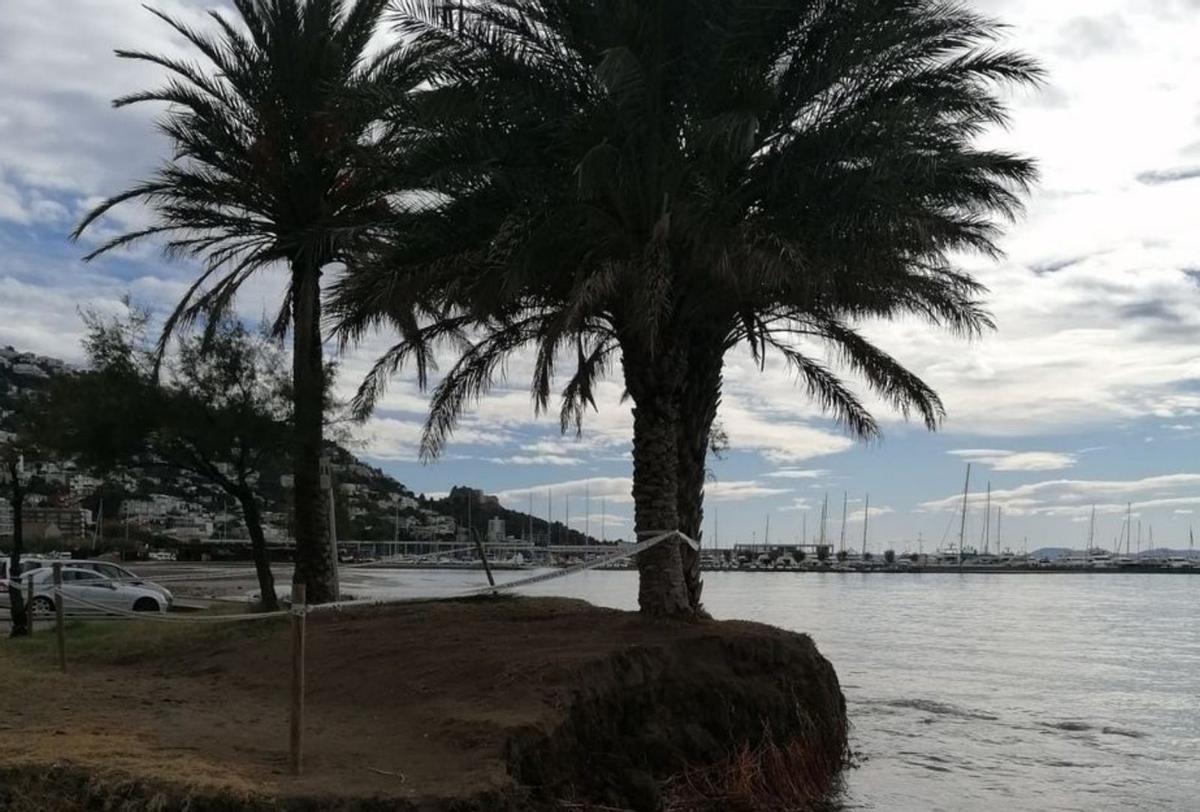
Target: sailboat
[950,555]
[1092,556]
[1180,562]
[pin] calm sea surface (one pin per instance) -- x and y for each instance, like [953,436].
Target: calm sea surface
[975,691]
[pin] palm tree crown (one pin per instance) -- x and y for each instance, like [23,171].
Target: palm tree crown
[267,170]
[662,181]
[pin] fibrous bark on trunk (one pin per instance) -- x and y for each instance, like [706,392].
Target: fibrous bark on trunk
[314,567]
[699,397]
[661,587]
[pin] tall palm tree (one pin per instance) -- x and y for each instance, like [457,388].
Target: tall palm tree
[659,182]
[267,172]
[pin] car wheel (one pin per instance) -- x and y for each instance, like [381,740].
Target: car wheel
[145,605]
[42,606]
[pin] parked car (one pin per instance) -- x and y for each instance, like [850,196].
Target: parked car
[96,589]
[106,568]
[118,573]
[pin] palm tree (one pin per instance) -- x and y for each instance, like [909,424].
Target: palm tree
[267,172]
[661,182]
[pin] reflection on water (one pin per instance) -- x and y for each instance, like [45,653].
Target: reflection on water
[974,692]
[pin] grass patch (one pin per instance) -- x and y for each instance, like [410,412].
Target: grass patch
[124,642]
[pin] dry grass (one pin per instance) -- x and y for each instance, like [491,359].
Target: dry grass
[790,776]
[125,642]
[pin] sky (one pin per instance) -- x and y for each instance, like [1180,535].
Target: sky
[1087,394]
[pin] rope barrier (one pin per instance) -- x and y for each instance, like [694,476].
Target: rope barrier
[532,580]
[628,552]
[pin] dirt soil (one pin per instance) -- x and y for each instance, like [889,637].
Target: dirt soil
[469,704]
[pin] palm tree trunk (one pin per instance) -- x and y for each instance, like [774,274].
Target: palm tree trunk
[252,515]
[662,591]
[18,611]
[314,567]
[699,397]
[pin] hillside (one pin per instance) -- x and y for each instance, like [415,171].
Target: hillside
[152,503]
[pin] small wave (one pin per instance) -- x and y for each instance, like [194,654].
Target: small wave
[940,708]
[1069,726]
[1120,731]
[1065,763]
[932,768]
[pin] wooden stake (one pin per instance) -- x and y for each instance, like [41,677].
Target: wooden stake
[29,603]
[299,608]
[60,629]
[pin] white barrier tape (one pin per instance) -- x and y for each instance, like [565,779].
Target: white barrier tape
[695,545]
[584,566]
[485,590]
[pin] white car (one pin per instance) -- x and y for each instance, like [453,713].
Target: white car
[101,594]
[118,573]
[108,569]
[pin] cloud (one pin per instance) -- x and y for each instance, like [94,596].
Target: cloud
[798,473]
[389,438]
[1000,460]
[1076,497]
[1090,36]
[537,459]
[1055,265]
[597,523]
[739,490]
[1154,177]
[857,515]
[800,503]
[772,428]
[612,489]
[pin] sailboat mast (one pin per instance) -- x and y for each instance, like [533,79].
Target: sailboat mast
[845,501]
[962,529]
[824,512]
[987,519]
[767,536]
[866,518]
[1087,553]
[999,518]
